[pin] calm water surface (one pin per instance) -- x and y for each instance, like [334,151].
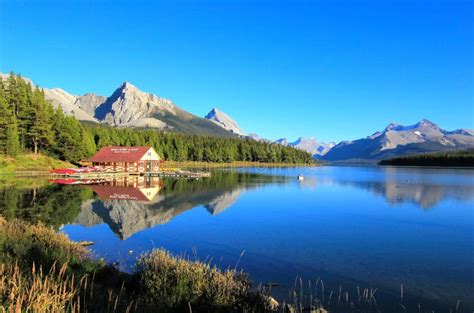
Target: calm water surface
[351,226]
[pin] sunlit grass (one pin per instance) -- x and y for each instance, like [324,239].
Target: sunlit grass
[29,163]
[177,283]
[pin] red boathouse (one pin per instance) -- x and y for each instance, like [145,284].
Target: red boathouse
[127,159]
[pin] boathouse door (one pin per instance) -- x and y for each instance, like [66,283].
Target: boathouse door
[148,166]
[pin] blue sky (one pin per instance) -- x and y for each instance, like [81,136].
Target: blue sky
[334,69]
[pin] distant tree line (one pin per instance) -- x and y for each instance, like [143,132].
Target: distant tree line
[184,147]
[464,158]
[29,123]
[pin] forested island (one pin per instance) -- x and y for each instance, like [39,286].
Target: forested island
[32,125]
[464,158]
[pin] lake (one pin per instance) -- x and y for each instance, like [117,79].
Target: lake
[387,228]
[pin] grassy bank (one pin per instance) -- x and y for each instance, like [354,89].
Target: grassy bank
[43,271]
[30,163]
[201,165]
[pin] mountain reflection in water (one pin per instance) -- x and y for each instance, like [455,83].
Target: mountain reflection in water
[129,205]
[424,196]
[336,223]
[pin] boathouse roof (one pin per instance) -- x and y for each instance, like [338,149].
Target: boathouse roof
[123,154]
[119,193]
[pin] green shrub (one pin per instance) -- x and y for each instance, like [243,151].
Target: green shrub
[27,244]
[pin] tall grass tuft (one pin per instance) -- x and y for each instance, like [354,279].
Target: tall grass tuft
[43,271]
[37,291]
[169,282]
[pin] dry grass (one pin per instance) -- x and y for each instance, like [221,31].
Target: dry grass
[175,283]
[31,279]
[37,292]
[43,271]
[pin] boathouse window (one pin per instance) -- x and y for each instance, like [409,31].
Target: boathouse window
[149,153]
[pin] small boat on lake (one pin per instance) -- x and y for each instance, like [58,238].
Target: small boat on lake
[300,177]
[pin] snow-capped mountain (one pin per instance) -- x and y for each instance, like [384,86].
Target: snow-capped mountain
[395,140]
[310,145]
[223,120]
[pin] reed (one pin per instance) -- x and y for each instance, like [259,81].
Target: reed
[53,291]
[43,271]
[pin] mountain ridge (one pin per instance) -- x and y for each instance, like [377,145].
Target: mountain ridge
[397,140]
[310,145]
[129,106]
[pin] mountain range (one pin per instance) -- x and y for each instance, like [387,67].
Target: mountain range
[128,106]
[396,140]
[310,145]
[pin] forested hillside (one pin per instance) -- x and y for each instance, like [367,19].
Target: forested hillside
[29,123]
[463,158]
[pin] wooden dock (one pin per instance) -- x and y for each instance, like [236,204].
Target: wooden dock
[180,174]
[112,175]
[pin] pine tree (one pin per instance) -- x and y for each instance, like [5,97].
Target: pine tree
[9,140]
[87,143]
[4,120]
[39,134]
[13,139]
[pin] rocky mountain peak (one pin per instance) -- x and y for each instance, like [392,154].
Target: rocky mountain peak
[214,111]
[426,123]
[308,144]
[223,120]
[126,86]
[305,140]
[392,126]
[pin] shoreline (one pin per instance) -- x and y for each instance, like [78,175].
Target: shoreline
[235,164]
[26,165]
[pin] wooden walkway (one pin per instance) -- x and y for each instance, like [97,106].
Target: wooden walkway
[111,175]
[180,173]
